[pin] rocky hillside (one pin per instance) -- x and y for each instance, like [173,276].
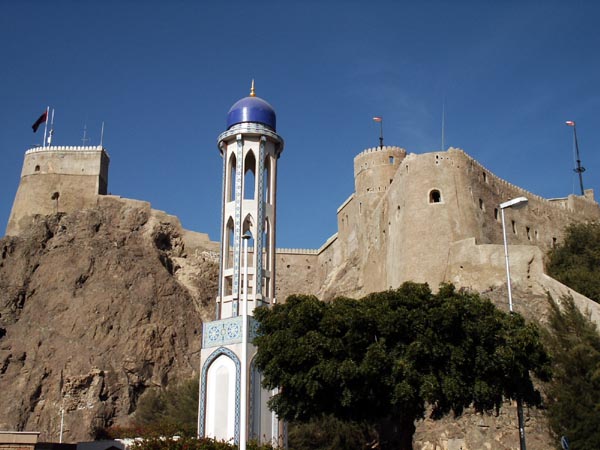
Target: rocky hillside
[95,307]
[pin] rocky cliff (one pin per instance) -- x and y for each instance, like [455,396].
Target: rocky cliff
[95,307]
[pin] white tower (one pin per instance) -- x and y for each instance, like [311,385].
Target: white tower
[232,403]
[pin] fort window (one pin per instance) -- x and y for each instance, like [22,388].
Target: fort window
[553,242]
[536,234]
[37,168]
[484,177]
[528,233]
[481,205]
[390,181]
[514,226]
[496,213]
[391,160]
[435,196]
[360,207]
[407,168]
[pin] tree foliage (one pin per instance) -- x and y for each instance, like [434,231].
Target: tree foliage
[576,262]
[380,360]
[330,433]
[164,412]
[574,393]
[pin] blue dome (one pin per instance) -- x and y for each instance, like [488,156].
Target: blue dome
[251,109]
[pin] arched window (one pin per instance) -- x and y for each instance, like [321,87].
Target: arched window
[267,180]
[37,168]
[249,176]
[231,185]
[435,196]
[265,245]
[229,244]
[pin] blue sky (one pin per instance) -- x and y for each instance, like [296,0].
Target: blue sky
[162,76]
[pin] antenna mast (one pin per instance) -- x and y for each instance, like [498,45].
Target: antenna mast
[84,139]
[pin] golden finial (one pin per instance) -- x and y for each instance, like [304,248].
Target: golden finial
[252,93]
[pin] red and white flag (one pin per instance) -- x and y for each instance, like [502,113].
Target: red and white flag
[570,123]
[378,119]
[43,118]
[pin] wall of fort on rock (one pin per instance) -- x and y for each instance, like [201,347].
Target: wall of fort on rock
[404,230]
[58,179]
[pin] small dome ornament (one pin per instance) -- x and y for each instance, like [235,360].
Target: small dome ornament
[252,109]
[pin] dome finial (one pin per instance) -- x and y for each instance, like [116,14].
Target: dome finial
[252,93]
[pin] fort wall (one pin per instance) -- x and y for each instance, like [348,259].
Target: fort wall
[59,179]
[405,230]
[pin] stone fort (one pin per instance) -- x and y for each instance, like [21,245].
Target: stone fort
[431,217]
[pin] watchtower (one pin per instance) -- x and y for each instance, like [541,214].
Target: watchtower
[58,179]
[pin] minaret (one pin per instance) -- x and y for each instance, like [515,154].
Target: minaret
[230,391]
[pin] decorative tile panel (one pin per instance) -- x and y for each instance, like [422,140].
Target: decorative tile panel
[227,331]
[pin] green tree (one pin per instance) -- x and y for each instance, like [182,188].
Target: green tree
[574,393]
[576,262]
[380,360]
[163,412]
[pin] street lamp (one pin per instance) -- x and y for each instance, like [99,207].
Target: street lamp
[515,203]
[244,378]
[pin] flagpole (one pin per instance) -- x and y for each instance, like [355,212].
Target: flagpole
[102,134]
[46,126]
[51,129]
[381,133]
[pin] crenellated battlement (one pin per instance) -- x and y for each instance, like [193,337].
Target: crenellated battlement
[65,148]
[385,148]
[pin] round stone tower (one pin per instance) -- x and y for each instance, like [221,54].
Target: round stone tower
[374,170]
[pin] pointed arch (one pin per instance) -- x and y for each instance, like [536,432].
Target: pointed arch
[207,392]
[231,181]
[267,180]
[229,244]
[250,176]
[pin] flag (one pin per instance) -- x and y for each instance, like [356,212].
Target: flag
[378,119]
[570,123]
[43,118]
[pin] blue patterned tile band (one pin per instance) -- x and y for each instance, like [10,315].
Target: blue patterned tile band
[226,331]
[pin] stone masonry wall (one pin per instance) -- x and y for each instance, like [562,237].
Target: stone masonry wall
[58,179]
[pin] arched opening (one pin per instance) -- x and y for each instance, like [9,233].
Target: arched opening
[247,230]
[249,176]
[265,245]
[37,168]
[221,399]
[231,185]
[435,196]
[267,180]
[229,244]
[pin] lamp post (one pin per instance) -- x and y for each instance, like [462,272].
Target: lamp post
[244,378]
[579,169]
[515,203]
